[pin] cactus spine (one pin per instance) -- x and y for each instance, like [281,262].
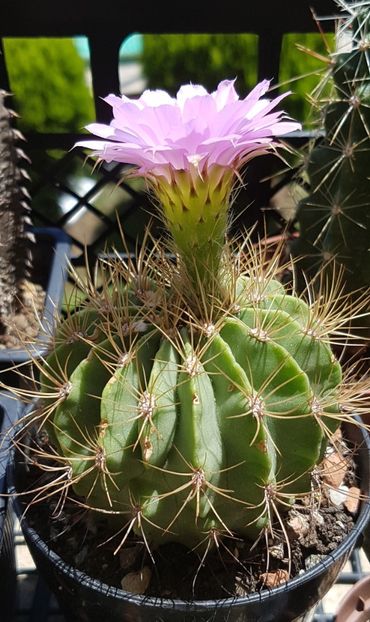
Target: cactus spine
[334,219]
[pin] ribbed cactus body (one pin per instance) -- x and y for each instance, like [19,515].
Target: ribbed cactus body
[192,431]
[334,220]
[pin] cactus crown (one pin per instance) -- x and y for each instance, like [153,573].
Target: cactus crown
[192,397]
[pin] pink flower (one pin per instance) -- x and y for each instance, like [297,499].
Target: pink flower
[159,134]
[189,149]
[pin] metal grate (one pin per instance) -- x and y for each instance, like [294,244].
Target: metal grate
[36,604]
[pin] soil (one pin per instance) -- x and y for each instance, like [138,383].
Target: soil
[234,568]
[23,326]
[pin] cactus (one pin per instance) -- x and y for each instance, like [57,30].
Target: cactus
[334,219]
[15,241]
[191,396]
[190,425]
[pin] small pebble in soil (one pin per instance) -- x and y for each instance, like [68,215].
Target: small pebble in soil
[138,581]
[273,579]
[312,560]
[334,469]
[353,499]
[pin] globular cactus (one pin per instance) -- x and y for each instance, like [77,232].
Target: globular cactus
[190,427]
[334,219]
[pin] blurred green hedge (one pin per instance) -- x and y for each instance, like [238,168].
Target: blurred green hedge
[171,60]
[47,78]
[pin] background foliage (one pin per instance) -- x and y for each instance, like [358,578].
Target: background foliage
[171,60]
[47,77]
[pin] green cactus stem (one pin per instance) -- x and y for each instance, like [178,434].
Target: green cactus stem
[195,212]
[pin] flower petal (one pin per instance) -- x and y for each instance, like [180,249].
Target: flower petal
[225,94]
[194,130]
[157,98]
[187,91]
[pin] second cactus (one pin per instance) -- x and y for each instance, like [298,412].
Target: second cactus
[334,219]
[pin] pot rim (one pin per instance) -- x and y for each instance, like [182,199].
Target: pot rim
[347,544]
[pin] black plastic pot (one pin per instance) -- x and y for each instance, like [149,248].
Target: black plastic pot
[9,412]
[83,599]
[50,259]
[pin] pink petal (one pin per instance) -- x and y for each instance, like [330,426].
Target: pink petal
[198,113]
[187,91]
[259,90]
[99,129]
[196,129]
[225,94]
[118,102]
[157,98]
[285,127]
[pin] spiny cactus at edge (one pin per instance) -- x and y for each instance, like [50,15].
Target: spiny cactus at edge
[15,240]
[334,219]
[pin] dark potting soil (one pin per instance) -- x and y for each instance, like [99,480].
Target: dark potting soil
[233,568]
